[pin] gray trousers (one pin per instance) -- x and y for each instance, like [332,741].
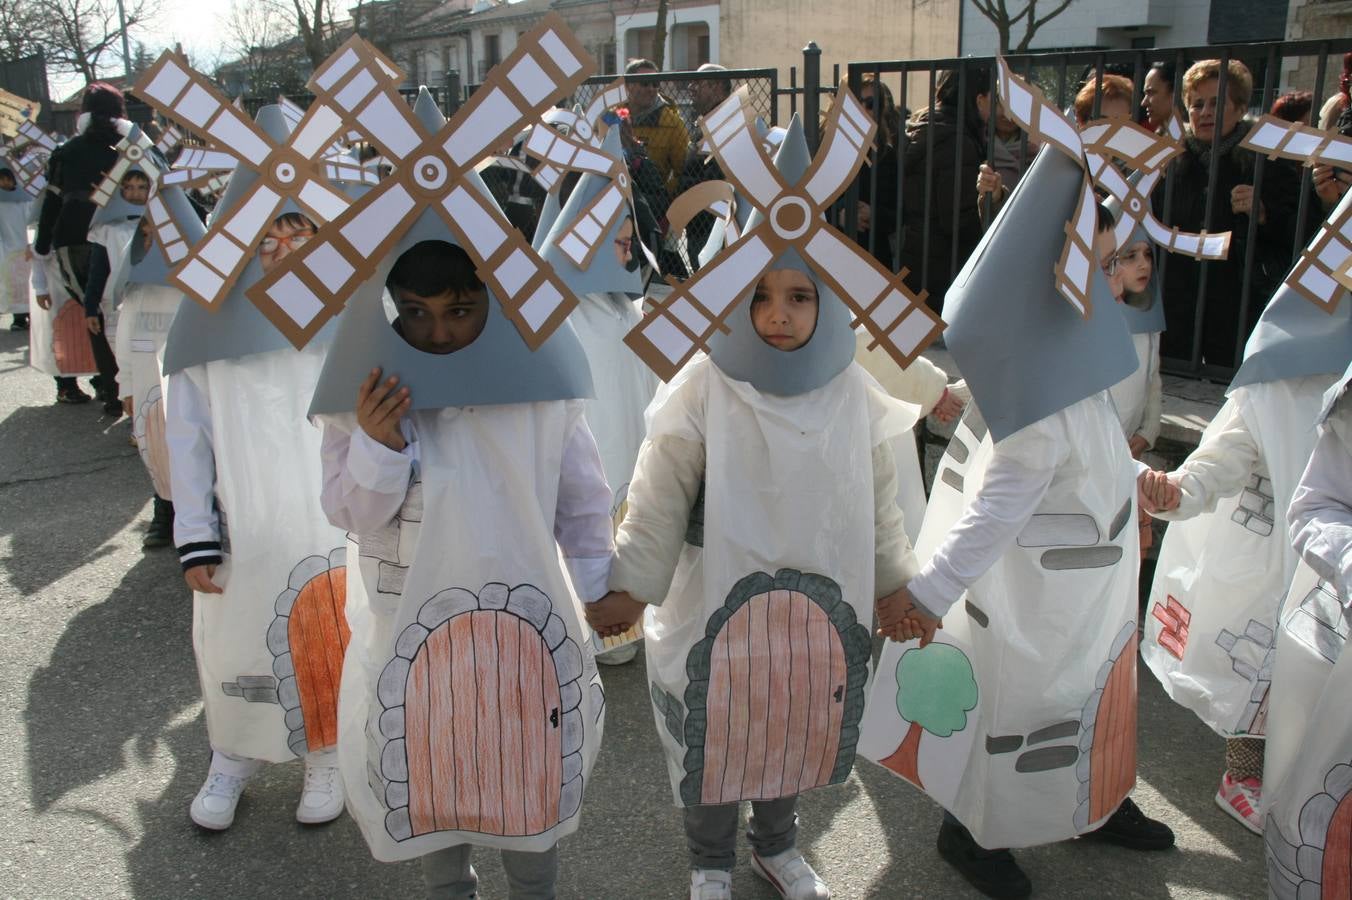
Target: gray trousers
[711,831]
[447,874]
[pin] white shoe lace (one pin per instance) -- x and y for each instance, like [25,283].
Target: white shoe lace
[319,779]
[220,784]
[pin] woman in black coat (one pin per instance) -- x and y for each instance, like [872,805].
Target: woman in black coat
[949,175]
[1234,203]
[73,171]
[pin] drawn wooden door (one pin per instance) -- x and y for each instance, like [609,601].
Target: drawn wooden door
[1112,755]
[70,341]
[778,713]
[1336,877]
[154,448]
[318,634]
[482,729]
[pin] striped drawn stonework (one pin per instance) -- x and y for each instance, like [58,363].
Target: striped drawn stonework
[1107,764]
[70,341]
[148,429]
[1317,862]
[481,728]
[776,691]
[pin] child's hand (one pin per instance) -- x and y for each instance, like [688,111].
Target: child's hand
[948,408]
[379,409]
[44,300]
[199,579]
[1138,446]
[902,619]
[614,614]
[1157,493]
[93,324]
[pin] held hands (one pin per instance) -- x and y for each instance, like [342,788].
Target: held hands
[379,409]
[199,579]
[614,614]
[1156,493]
[948,408]
[902,619]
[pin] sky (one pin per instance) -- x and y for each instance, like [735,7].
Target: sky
[198,24]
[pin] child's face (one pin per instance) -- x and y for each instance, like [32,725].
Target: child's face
[7,182]
[442,324]
[136,189]
[1135,263]
[624,242]
[784,308]
[1105,247]
[282,239]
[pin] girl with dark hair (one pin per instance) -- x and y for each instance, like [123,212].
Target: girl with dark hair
[73,171]
[879,219]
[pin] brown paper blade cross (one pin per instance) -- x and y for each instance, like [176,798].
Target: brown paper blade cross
[563,153]
[311,285]
[287,171]
[681,324]
[130,152]
[1324,271]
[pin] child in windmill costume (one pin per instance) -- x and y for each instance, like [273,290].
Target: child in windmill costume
[1307,800]
[606,287]
[762,522]
[15,286]
[1226,562]
[1031,525]
[459,460]
[149,302]
[266,567]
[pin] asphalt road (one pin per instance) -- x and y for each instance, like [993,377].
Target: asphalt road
[102,741]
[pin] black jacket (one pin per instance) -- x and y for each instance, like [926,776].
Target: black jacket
[73,171]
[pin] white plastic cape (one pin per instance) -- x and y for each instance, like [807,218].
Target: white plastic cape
[270,648]
[1307,779]
[758,658]
[437,747]
[15,287]
[1020,718]
[1211,621]
[147,310]
[624,387]
[58,340]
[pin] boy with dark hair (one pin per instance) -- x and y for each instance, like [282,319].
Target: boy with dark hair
[442,305]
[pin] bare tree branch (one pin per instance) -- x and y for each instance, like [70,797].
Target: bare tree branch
[77,34]
[998,13]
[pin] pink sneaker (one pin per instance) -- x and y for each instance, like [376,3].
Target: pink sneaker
[1242,800]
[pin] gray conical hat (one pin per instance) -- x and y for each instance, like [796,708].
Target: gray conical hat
[605,273]
[234,327]
[744,356]
[148,264]
[1295,338]
[1024,351]
[549,211]
[116,211]
[497,368]
[718,233]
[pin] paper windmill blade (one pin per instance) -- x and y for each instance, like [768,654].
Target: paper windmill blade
[287,171]
[718,198]
[169,141]
[1147,154]
[583,126]
[30,133]
[1324,271]
[561,153]
[432,167]
[135,150]
[793,218]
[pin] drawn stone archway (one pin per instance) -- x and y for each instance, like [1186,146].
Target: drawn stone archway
[1107,763]
[1318,862]
[525,734]
[70,340]
[776,691]
[148,427]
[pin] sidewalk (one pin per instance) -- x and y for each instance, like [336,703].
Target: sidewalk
[102,742]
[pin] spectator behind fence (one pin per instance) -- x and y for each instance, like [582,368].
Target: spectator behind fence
[1293,106]
[933,268]
[1233,204]
[1114,104]
[700,165]
[1157,97]
[879,220]
[1338,103]
[1008,158]
[657,123]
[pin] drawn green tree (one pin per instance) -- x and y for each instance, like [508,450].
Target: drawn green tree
[936,688]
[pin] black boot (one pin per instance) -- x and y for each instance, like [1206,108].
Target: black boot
[1129,827]
[161,530]
[20,322]
[992,872]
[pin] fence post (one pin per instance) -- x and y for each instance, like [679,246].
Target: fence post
[812,81]
[452,97]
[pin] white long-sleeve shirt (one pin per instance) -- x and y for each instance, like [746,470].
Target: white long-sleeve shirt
[1321,508]
[192,474]
[365,483]
[1220,467]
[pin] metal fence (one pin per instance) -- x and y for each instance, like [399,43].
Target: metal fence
[928,210]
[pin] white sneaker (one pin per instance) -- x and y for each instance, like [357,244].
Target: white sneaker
[710,884]
[790,875]
[619,656]
[214,806]
[321,799]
